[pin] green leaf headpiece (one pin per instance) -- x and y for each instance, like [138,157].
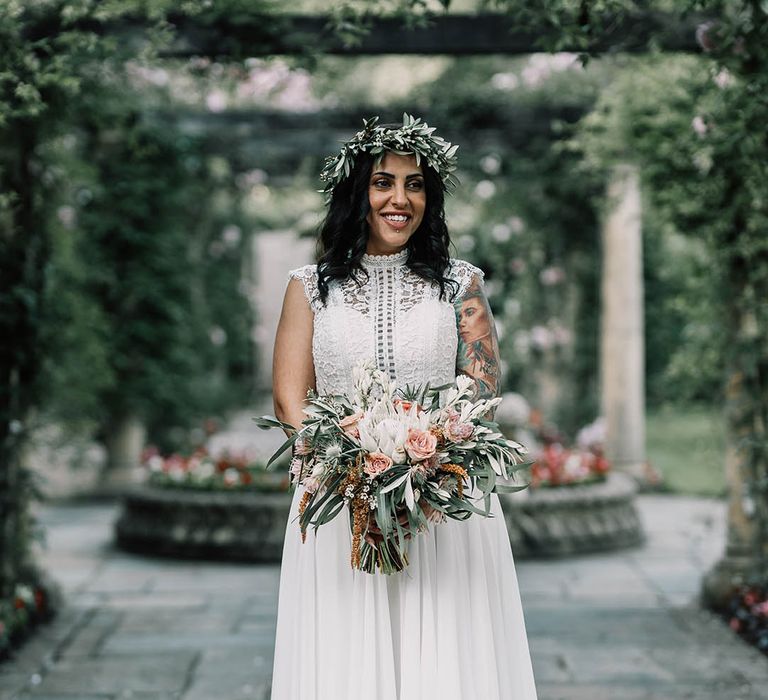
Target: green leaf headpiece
[413,137]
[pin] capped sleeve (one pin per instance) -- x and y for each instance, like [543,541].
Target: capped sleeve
[307,275]
[464,273]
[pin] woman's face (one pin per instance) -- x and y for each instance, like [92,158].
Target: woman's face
[473,320]
[398,198]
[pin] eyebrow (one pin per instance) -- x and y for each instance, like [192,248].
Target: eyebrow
[407,177]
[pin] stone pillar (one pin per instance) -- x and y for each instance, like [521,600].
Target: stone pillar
[274,253]
[746,551]
[622,347]
[125,440]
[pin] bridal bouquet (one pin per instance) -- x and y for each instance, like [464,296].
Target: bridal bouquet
[398,459]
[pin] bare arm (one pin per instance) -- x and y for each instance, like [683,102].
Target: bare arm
[478,351]
[293,371]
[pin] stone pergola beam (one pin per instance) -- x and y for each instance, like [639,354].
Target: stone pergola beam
[445,34]
[453,34]
[279,141]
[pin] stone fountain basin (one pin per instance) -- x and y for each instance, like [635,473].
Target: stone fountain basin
[250,525]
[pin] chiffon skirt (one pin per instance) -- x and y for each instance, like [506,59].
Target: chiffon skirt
[450,626]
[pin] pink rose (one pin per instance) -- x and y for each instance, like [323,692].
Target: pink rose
[456,431]
[420,444]
[349,424]
[376,463]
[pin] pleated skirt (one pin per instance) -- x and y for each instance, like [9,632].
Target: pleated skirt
[450,626]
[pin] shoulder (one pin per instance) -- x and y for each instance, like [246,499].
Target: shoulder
[307,275]
[464,273]
[303,273]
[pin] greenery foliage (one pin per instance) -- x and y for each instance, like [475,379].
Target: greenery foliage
[59,74]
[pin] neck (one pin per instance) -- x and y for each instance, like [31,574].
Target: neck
[373,249]
[385,259]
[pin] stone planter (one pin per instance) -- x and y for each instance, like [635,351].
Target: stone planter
[250,526]
[231,525]
[555,522]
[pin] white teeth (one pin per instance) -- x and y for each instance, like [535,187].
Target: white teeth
[395,217]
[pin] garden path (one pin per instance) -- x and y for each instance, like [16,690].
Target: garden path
[620,626]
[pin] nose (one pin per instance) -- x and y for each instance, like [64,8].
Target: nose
[399,195]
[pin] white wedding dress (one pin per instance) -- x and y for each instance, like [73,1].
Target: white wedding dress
[448,627]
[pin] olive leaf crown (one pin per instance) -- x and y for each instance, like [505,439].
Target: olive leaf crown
[414,136]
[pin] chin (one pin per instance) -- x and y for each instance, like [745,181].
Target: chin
[391,240]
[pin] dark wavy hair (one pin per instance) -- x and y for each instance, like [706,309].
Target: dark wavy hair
[344,232]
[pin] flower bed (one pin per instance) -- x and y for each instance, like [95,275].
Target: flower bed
[747,614]
[202,471]
[30,604]
[556,465]
[227,506]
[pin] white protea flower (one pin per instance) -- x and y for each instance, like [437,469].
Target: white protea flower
[380,432]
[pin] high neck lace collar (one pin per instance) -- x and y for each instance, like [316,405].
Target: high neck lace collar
[385,260]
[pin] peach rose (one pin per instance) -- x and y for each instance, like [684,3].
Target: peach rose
[420,444]
[349,424]
[376,463]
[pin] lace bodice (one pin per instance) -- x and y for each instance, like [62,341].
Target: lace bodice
[395,317]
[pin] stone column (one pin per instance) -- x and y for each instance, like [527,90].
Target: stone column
[746,549]
[622,346]
[125,440]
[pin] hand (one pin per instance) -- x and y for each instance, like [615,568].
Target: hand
[373,535]
[433,515]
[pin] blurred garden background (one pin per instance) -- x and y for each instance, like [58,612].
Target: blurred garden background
[159,174]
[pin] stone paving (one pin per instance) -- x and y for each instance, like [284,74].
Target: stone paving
[621,626]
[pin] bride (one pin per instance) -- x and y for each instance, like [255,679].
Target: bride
[450,626]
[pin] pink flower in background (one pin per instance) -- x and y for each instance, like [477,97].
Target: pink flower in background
[231,476]
[376,463]
[420,444]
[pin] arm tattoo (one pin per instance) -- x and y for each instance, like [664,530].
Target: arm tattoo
[478,348]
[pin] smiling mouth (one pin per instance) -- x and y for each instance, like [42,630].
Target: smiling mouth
[396,221]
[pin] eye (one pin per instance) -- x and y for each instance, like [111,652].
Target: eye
[416,185]
[381,182]
[470,311]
